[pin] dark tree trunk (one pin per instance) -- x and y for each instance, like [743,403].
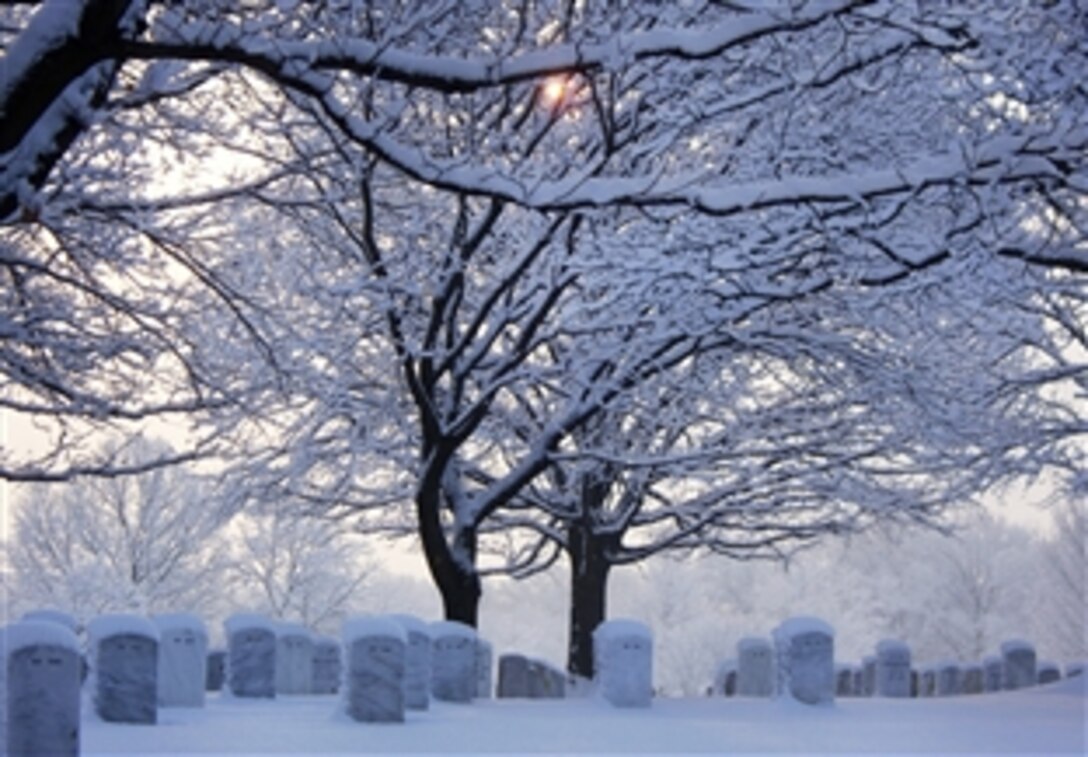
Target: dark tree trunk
[589,567]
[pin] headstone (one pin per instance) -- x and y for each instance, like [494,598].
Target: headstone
[859,681]
[806,660]
[973,679]
[251,656]
[993,674]
[453,661]
[892,670]
[374,685]
[1019,659]
[755,668]
[484,656]
[721,676]
[623,655]
[513,676]
[844,681]
[929,683]
[124,662]
[914,683]
[216,671]
[294,659]
[868,675]
[545,681]
[949,683]
[417,662]
[1074,669]
[327,667]
[1048,672]
[183,659]
[39,689]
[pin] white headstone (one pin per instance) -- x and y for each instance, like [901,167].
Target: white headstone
[755,668]
[623,652]
[124,663]
[806,660]
[251,656]
[484,655]
[417,662]
[374,691]
[294,659]
[453,661]
[327,666]
[39,689]
[1019,669]
[183,659]
[892,672]
[949,680]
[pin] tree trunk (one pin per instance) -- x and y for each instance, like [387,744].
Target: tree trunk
[589,569]
[453,568]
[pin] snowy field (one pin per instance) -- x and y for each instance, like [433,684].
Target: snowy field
[1046,720]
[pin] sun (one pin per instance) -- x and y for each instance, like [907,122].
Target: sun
[553,91]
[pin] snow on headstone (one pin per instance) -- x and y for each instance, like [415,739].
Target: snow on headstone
[327,668]
[251,656]
[453,661]
[623,653]
[39,689]
[484,656]
[294,659]
[216,671]
[892,673]
[973,679]
[844,681]
[124,660]
[513,676]
[374,684]
[417,662]
[868,675]
[50,615]
[183,660]
[755,668]
[993,674]
[545,681]
[806,660]
[1019,664]
[949,680]
[1048,672]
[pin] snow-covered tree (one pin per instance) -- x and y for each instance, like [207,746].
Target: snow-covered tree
[137,543]
[1062,610]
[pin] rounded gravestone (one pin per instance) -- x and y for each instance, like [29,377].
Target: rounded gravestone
[973,679]
[374,684]
[892,671]
[327,666]
[929,682]
[294,659]
[1048,672]
[39,689]
[183,660]
[755,667]
[844,681]
[51,615]
[124,663]
[513,676]
[949,680]
[251,656]
[623,654]
[993,674]
[417,662]
[1019,664]
[453,661]
[806,660]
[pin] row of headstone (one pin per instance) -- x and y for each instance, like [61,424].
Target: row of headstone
[797,663]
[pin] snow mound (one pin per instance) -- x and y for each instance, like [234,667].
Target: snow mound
[623,628]
[1016,645]
[32,633]
[117,624]
[53,616]
[412,624]
[284,630]
[364,626]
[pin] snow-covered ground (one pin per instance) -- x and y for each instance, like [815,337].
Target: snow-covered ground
[1046,720]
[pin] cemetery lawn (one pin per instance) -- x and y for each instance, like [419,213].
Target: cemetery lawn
[1045,720]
